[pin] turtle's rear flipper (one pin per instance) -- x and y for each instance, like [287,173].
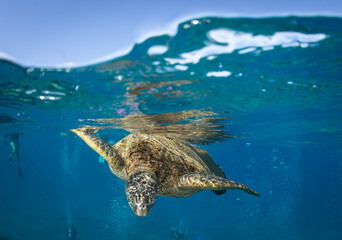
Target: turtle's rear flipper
[219,192]
[202,181]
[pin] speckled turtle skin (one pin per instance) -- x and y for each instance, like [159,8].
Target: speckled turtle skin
[160,165]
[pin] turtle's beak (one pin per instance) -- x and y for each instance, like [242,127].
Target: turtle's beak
[141,211]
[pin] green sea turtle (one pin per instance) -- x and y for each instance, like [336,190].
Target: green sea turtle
[154,165]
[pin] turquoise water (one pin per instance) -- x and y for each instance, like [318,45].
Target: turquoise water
[275,84]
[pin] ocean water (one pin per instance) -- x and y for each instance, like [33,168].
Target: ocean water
[275,86]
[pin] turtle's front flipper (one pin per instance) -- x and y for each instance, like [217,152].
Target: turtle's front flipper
[101,147]
[202,181]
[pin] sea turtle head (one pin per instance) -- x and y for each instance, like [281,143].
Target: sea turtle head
[141,192]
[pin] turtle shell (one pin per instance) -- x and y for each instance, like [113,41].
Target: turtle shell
[169,151]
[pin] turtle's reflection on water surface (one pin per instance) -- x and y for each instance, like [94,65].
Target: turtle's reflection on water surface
[197,127]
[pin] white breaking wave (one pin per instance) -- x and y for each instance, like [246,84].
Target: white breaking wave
[157,50]
[219,74]
[7,57]
[230,41]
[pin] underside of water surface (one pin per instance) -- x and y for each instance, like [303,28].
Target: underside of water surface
[261,95]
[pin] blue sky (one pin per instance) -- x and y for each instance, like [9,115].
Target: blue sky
[49,33]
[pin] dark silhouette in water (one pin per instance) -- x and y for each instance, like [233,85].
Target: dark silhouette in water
[180,232]
[14,143]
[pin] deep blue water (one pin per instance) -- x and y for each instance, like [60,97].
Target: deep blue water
[278,80]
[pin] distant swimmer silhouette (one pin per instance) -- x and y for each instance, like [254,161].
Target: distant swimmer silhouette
[71,233]
[158,158]
[179,232]
[13,141]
